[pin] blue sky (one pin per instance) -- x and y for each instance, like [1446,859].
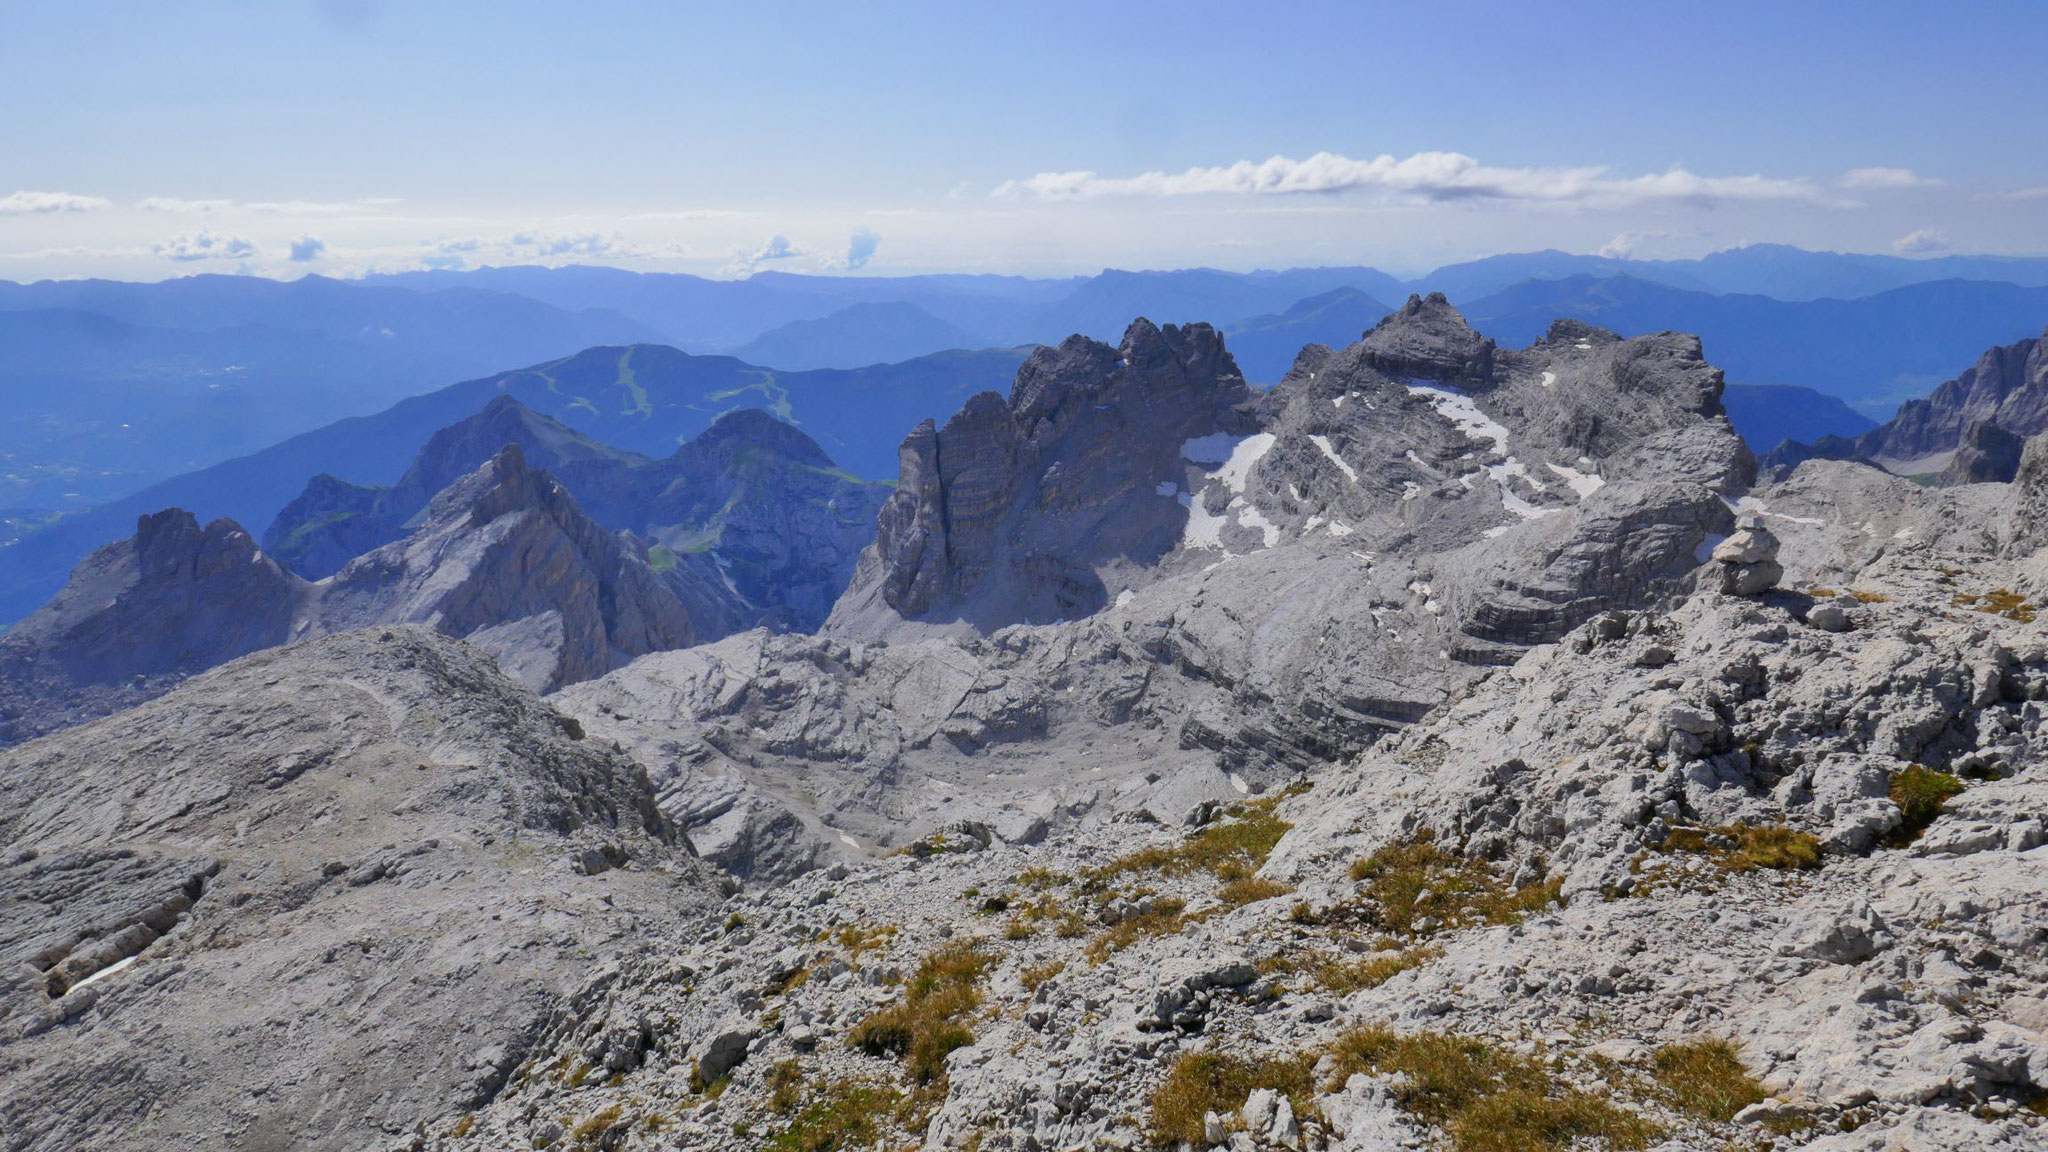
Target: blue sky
[143,140]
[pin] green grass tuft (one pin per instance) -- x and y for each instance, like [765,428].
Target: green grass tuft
[1414,880]
[1920,792]
[930,1021]
[1705,1078]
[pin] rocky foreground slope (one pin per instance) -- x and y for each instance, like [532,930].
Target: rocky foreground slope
[314,899]
[1755,871]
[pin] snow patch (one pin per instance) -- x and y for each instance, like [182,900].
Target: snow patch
[109,970]
[1323,442]
[1248,452]
[1339,529]
[1705,551]
[725,574]
[1753,505]
[1203,529]
[1464,414]
[1237,782]
[1583,484]
[1516,504]
[1549,379]
[1250,517]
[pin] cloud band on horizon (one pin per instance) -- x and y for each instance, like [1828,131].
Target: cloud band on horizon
[44,203]
[1432,176]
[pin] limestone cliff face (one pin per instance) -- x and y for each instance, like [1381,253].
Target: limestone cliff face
[138,615]
[2027,526]
[1135,566]
[1016,510]
[2005,391]
[505,558]
[1985,454]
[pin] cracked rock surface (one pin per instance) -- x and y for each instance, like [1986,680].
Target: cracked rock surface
[312,899]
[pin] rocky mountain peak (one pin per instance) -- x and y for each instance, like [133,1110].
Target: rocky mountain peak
[457,450]
[1985,453]
[334,521]
[1428,339]
[1013,509]
[505,558]
[138,614]
[750,428]
[2006,389]
[752,523]
[503,484]
[171,546]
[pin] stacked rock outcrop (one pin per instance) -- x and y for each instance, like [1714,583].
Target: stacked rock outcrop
[1749,560]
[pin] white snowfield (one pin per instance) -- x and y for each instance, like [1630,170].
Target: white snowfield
[1232,458]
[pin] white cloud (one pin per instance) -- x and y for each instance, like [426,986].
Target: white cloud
[1886,178]
[2040,193]
[180,205]
[1924,240]
[204,246]
[1647,245]
[859,250]
[1622,246]
[776,247]
[307,248]
[1431,176]
[183,206]
[574,244]
[43,203]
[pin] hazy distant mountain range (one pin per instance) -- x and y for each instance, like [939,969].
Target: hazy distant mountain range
[112,386]
[224,394]
[118,385]
[642,398]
